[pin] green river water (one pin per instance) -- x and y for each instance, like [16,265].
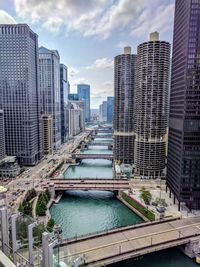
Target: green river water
[83,212]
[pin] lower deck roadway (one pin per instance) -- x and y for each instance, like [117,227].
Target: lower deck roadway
[112,247]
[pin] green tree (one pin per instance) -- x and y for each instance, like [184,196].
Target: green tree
[25,208]
[50,225]
[42,202]
[37,232]
[145,195]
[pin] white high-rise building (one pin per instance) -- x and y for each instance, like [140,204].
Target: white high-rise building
[49,69]
[76,117]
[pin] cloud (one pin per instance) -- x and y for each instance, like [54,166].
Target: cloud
[122,45]
[73,71]
[75,82]
[162,20]
[5,18]
[96,18]
[70,14]
[101,63]
[103,90]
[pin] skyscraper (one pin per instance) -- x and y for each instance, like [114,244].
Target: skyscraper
[124,90]
[110,109]
[183,167]
[19,92]
[64,102]
[49,69]
[47,133]
[2,136]
[84,94]
[73,97]
[151,106]
[100,112]
[104,111]
[76,117]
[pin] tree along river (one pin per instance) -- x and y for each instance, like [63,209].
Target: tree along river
[83,212]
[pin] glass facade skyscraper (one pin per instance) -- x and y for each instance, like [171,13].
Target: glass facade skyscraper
[183,168]
[124,90]
[73,97]
[84,94]
[49,70]
[104,111]
[110,109]
[64,92]
[19,92]
[2,136]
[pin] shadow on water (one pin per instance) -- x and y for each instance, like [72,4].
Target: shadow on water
[165,258]
[92,195]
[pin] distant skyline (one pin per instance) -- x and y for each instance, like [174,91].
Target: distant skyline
[88,37]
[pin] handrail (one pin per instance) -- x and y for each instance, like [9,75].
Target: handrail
[5,260]
[116,230]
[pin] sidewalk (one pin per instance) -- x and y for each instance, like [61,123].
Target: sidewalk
[171,209]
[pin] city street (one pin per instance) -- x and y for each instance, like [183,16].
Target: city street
[33,176]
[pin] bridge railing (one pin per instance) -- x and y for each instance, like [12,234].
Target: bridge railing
[124,180]
[149,245]
[136,225]
[89,156]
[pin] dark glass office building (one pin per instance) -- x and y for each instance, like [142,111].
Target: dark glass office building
[49,70]
[64,92]
[183,171]
[110,109]
[19,92]
[124,89]
[73,97]
[84,94]
[2,136]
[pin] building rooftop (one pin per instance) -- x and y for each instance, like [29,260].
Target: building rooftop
[44,50]
[2,189]
[8,159]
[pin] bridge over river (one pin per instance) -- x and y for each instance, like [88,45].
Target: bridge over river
[128,242]
[89,184]
[100,144]
[103,131]
[92,156]
[101,136]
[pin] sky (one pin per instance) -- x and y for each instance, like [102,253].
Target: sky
[88,34]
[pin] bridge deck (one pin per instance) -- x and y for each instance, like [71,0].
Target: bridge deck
[104,131]
[93,156]
[112,247]
[101,136]
[90,184]
[90,180]
[100,144]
